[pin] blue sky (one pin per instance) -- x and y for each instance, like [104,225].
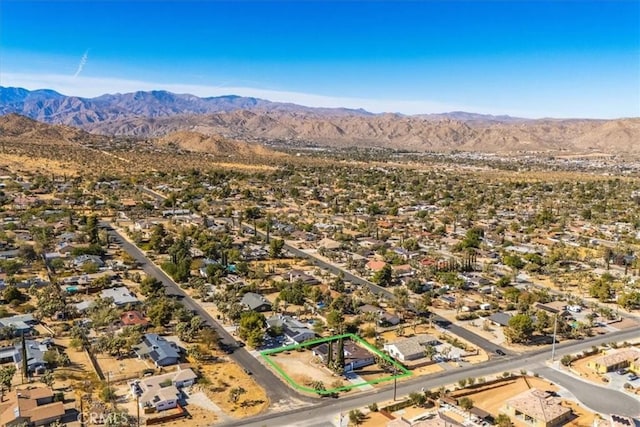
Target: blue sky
[533,59]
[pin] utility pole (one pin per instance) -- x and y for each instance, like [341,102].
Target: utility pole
[395,382]
[553,344]
[81,411]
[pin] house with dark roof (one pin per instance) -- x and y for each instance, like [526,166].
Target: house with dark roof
[158,349]
[500,319]
[255,302]
[355,357]
[294,331]
[307,279]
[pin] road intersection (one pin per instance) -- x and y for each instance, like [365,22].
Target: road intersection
[311,411]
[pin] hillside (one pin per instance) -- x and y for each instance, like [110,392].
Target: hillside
[395,131]
[17,128]
[211,144]
[161,113]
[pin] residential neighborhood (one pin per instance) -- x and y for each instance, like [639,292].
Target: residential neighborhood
[213,297]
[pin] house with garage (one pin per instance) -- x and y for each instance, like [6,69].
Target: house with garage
[555,308]
[620,359]
[30,407]
[411,348]
[294,331]
[21,324]
[538,408]
[255,302]
[81,260]
[35,355]
[121,296]
[162,392]
[299,275]
[500,319]
[158,349]
[384,318]
[355,357]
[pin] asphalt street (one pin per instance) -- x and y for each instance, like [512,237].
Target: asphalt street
[594,397]
[276,389]
[326,409]
[475,339]
[323,410]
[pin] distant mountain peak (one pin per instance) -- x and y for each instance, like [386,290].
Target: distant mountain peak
[158,113]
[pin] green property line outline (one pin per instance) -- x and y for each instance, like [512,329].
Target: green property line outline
[398,367]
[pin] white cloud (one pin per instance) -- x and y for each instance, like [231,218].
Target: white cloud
[94,86]
[83,62]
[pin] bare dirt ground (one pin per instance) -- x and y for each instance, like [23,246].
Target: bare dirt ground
[43,165]
[492,398]
[224,376]
[120,370]
[303,367]
[625,323]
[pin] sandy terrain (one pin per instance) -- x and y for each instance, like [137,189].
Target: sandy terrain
[303,367]
[121,370]
[225,376]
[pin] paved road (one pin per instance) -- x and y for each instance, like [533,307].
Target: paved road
[326,410]
[599,399]
[464,333]
[278,392]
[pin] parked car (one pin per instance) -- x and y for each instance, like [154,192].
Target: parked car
[632,377]
[500,352]
[621,371]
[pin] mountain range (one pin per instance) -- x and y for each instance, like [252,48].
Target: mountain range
[159,113]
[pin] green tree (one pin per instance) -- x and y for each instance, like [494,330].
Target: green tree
[384,276]
[6,377]
[150,286]
[465,403]
[472,238]
[275,248]
[107,393]
[160,311]
[543,321]
[520,328]
[356,417]
[417,399]
[12,293]
[47,378]
[251,328]
[503,420]
[335,320]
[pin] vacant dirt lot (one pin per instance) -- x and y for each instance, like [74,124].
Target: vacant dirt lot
[303,367]
[120,370]
[224,376]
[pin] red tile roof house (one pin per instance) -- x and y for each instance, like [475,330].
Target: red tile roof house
[133,318]
[375,265]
